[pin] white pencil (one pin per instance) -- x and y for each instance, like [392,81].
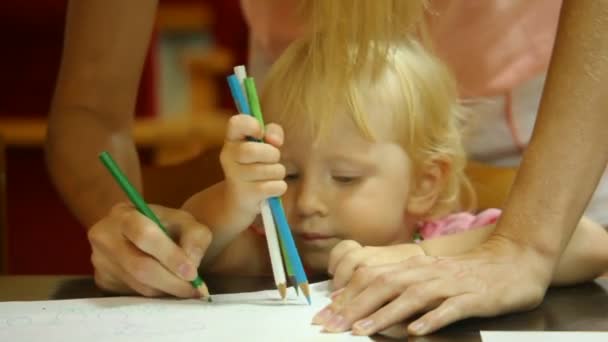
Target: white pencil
[272,239]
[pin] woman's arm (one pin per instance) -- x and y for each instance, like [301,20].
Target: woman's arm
[568,152]
[93,107]
[585,256]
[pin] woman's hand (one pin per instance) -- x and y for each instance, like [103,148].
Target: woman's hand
[131,254]
[496,278]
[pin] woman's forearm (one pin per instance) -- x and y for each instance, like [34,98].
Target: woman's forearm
[93,106]
[568,150]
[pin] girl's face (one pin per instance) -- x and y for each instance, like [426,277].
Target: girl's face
[346,187]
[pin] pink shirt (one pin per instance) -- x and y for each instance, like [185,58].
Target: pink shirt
[491,45]
[457,223]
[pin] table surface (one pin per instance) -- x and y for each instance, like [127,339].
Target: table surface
[577,308]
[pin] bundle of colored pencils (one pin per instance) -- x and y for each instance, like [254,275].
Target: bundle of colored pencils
[281,245]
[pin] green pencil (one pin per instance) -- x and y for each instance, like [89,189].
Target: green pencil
[143,208]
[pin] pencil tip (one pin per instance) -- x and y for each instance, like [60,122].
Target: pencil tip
[282,290]
[306,291]
[204,292]
[292,280]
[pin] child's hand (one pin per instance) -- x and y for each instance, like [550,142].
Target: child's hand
[252,169]
[349,255]
[132,255]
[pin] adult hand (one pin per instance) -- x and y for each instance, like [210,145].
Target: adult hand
[498,277]
[132,255]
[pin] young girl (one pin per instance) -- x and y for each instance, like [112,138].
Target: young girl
[374,162]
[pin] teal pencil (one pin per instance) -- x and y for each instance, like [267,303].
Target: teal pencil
[143,208]
[276,206]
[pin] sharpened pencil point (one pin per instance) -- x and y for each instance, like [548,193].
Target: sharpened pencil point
[204,291]
[292,280]
[306,292]
[282,290]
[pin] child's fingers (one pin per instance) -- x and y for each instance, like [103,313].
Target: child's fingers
[274,135]
[242,126]
[261,172]
[339,251]
[254,152]
[347,266]
[268,189]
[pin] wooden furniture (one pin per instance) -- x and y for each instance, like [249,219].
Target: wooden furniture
[32,36]
[491,183]
[3,244]
[576,308]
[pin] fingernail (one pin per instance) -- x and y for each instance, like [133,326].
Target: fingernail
[418,328]
[363,327]
[336,324]
[322,316]
[195,254]
[186,271]
[196,294]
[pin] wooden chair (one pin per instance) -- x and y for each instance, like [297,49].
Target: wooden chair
[491,183]
[3,243]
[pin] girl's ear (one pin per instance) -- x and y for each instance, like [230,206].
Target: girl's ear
[427,186]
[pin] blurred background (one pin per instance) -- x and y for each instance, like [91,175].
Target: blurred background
[195,45]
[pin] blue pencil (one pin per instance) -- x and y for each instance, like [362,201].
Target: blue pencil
[253,108]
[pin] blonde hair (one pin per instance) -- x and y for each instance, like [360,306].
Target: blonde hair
[416,88]
[336,26]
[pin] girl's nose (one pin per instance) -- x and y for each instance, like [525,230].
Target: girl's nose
[310,199]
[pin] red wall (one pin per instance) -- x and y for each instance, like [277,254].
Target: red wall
[43,237]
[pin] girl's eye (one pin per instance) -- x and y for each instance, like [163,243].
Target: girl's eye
[291,177]
[345,179]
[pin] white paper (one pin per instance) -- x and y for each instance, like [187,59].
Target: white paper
[254,316]
[541,336]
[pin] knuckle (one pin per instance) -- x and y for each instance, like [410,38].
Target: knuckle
[272,188]
[234,122]
[351,257]
[416,292]
[100,281]
[351,244]
[96,260]
[138,233]
[120,208]
[140,269]
[245,151]
[384,279]
[276,171]
[225,155]
[274,154]
[206,238]
[183,216]
[282,171]
[93,235]
[361,274]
